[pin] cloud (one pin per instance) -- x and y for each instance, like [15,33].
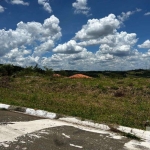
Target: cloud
[115,48]
[103,57]
[17,54]
[76,61]
[83,55]
[33,35]
[43,48]
[2,9]
[146,14]
[124,16]
[68,48]
[146,54]
[17,2]
[32,43]
[146,44]
[103,32]
[96,28]
[80,7]
[97,31]
[87,60]
[120,44]
[91,42]
[46,5]
[21,57]
[138,10]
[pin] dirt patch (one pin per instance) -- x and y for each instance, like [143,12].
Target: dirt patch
[56,75]
[79,76]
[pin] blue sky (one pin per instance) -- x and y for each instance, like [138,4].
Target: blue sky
[76,34]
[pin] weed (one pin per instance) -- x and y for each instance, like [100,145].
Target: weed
[131,136]
[119,93]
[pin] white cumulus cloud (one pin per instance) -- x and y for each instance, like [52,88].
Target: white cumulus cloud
[29,42]
[68,48]
[146,54]
[146,44]
[20,56]
[76,61]
[120,44]
[31,36]
[99,57]
[17,55]
[43,48]
[96,28]
[80,7]
[46,5]
[115,48]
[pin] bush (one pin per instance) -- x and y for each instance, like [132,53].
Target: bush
[49,72]
[63,73]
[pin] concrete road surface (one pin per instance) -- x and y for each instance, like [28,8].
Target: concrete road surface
[24,132]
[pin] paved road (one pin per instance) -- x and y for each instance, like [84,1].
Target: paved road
[24,132]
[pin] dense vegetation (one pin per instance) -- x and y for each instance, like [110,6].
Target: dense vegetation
[118,97]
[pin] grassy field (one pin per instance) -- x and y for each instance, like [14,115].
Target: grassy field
[124,101]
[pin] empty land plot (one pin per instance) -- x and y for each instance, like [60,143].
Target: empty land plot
[124,101]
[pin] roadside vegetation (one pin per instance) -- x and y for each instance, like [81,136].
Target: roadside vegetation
[121,98]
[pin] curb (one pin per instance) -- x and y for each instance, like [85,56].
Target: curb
[142,134]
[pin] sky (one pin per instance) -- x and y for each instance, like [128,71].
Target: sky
[76,34]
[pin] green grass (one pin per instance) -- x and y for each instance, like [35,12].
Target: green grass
[124,101]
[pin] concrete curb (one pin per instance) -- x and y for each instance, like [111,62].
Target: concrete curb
[142,134]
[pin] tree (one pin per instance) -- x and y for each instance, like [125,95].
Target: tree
[48,71]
